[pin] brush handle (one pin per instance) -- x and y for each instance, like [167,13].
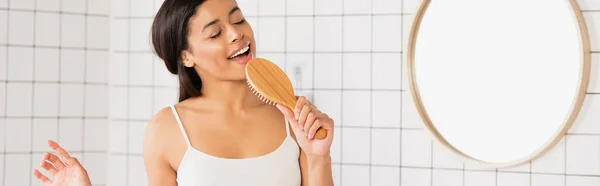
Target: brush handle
[321,132]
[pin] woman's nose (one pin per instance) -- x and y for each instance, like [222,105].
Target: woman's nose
[236,35]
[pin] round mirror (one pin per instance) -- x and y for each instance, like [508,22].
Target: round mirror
[498,81]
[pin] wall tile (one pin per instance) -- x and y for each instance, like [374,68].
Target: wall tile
[581,159]
[327,33]
[271,34]
[20,28]
[19,166]
[447,177]
[355,145]
[386,108]
[20,63]
[139,106]
[513,179]
[44,130]
[357,33]
[97,67]
[77,6]
[299,68]
[357,71]
[140,69]
[385,176]
[299,7]
[139,38]
[136,137]
[329,7]
[119,34]
[18,135]
[46,64]
[143,8]
[96,135]
[299,34]
[97,32]
[72,30]
[547,180]
[582,181]
[72,65]
[415,177]
[96,100]
[271,7]
[356,108]
[95,164]
[387,33]
[47,29]
[71,134]
[416,148]
[387,7]
[4,25]
[385,147]
[480,178]
[98,6]
[45,99]
[48,5]
[355,175]
[328,71]
[19,99]
[71,100]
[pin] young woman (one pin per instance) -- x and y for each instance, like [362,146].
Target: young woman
[219,133]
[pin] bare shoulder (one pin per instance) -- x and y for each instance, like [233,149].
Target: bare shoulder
[160,130]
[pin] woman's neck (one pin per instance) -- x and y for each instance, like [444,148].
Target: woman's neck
[229,95]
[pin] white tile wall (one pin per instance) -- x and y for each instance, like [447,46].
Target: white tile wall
[46,92]
[353,66]
[352,63]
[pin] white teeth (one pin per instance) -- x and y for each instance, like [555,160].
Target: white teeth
[240,52]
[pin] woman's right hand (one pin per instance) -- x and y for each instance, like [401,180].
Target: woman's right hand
[66,170]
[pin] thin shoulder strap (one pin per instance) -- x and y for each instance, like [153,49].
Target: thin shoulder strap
[187,140]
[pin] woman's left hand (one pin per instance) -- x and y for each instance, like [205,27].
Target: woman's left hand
[305,120]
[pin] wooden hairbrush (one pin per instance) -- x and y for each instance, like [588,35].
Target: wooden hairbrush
[272,85]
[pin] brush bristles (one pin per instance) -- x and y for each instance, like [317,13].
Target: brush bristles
[260,96]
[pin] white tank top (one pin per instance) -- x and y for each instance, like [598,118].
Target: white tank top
[277,168]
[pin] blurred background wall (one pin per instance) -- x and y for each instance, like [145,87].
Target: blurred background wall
[82,72]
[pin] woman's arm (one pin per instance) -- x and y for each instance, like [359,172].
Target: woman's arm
[315,159]
[158,169]
[316,170]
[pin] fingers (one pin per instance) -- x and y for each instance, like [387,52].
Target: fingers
[58,149]
[313,129]
[72,161]
[41,177]
[299,105]
[48,167]
[303,114]
[54,160]
[310,119]
[288,114]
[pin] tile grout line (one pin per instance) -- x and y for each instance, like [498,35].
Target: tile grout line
[51,11]
[128,124]
[5,98]
[401,86]
[371,95]
[431,162]
[565,158]
[32,93]
[57,47]
[342,100]
[59,91]
[85,86]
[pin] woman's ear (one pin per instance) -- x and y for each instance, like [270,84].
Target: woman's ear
[187,59]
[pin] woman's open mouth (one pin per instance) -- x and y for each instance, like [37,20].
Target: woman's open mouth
[242,56]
